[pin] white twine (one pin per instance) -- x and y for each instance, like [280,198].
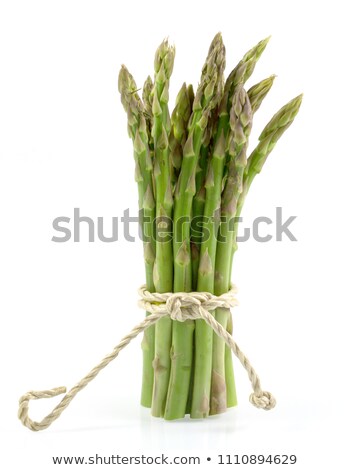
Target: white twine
[180,306]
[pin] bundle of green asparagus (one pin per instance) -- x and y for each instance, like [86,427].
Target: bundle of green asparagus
[193,175]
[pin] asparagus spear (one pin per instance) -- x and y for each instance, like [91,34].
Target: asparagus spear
[224,394]
[163,267]
[205,220]
[202,379]
[207,97]
[143,174]
[203,365]
[203,334]
[240,126]
[256,95]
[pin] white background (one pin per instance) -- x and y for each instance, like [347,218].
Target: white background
[64,144]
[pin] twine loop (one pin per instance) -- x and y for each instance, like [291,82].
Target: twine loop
[179,306]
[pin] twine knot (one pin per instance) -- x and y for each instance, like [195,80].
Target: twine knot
[264,400]
[182,307]
[179,306]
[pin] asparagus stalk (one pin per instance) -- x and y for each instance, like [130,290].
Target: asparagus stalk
[202,379]
[223,394]
[203,334]
[143,174]
[207,97]
[240,126]
[206,219]
[148,223]
[256,95]
[163,267]
[239,75]
[203,365]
